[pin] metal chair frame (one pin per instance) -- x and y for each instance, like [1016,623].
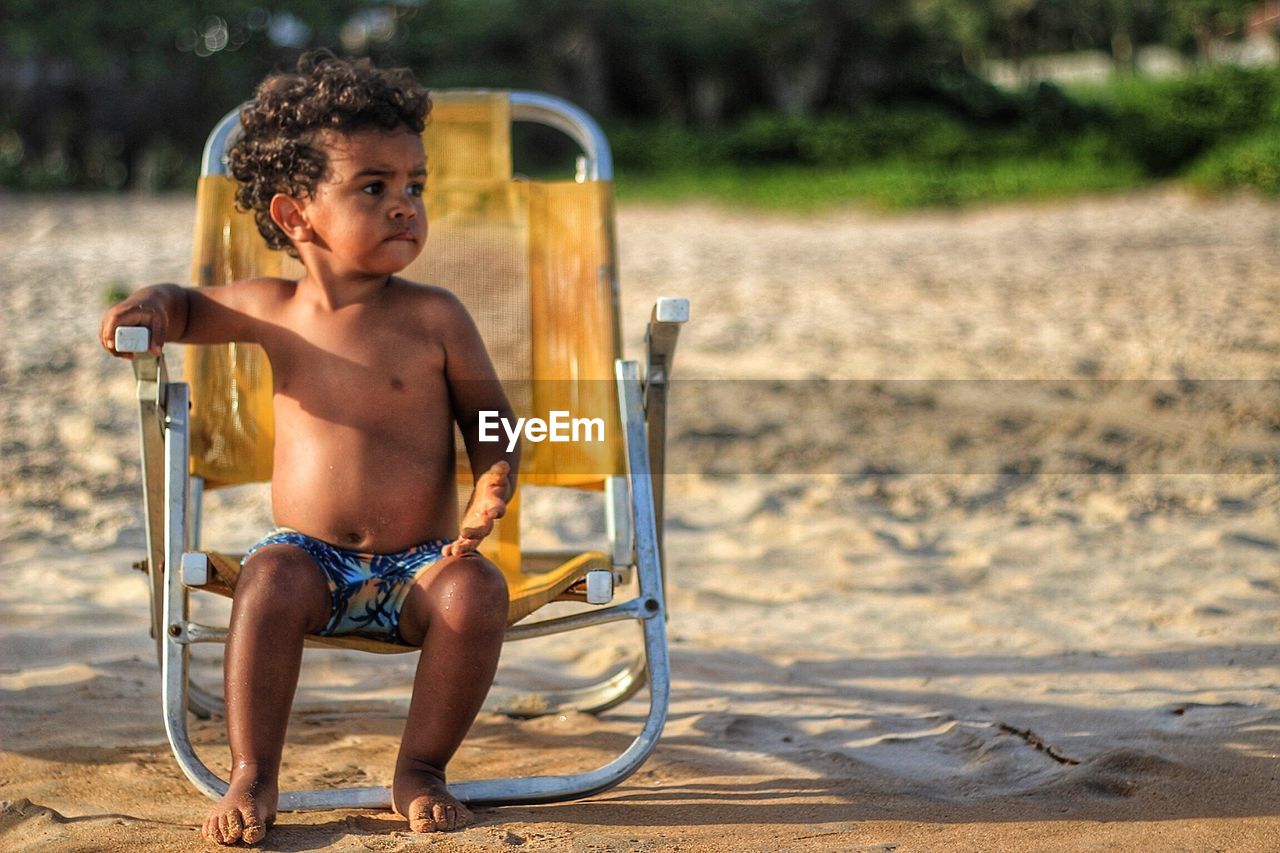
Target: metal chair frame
[633,514]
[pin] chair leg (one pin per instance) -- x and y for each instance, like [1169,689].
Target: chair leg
[174,656]
[545,789]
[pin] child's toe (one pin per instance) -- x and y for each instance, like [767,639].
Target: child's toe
[422,824]
[235,826]
[224,829]
[423,816]
[253,830]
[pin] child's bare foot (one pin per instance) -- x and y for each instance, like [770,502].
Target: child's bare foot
[420,796]
[245,812]
[488,504]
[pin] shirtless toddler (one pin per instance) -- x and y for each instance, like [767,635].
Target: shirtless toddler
[370,374]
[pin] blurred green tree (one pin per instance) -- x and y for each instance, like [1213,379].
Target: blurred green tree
[99,94]
[106,94]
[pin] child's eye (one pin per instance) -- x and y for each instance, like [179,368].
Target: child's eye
[417,189]
[374,188]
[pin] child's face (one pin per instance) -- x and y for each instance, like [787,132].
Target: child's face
[367,212]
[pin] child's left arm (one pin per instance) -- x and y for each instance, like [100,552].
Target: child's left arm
[474,388]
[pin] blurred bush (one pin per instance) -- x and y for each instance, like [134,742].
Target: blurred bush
[1166,125]
[1044,122]
[1214,127]
[1253,163]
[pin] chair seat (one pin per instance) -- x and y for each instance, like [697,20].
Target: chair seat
[528,590]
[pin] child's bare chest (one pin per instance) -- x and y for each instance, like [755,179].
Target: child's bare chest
[359,373]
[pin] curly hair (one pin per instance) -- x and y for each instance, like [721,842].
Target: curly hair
[277,152]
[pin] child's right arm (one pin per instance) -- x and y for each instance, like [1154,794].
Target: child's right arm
[191,315]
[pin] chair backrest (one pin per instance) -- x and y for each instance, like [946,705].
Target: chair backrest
[533,261]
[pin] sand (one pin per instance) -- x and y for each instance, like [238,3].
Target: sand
[984,647]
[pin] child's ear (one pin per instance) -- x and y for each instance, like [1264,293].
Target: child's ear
[287,213]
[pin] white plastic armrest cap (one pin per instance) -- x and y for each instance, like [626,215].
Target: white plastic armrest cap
[133,339]
[599,586]
[195,569]
[672,309]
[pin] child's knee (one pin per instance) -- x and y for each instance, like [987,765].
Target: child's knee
[475,591]
[284,581]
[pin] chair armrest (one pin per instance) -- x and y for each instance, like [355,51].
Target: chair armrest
[669,314]
[148,369]
[152,387]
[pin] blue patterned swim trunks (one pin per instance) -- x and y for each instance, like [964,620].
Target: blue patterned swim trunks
[367,591]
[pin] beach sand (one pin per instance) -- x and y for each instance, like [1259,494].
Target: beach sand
[936,631]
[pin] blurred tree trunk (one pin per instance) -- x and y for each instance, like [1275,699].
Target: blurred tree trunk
[583,57]
[799,82]
[707,98]
[1123,56]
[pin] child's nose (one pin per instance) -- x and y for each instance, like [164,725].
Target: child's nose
[404,208]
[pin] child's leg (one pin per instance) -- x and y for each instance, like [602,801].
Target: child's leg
[457,613]
[280,597]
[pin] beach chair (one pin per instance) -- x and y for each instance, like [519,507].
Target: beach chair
[534,262]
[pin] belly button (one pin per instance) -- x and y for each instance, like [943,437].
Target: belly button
[397,384]
[354,538]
